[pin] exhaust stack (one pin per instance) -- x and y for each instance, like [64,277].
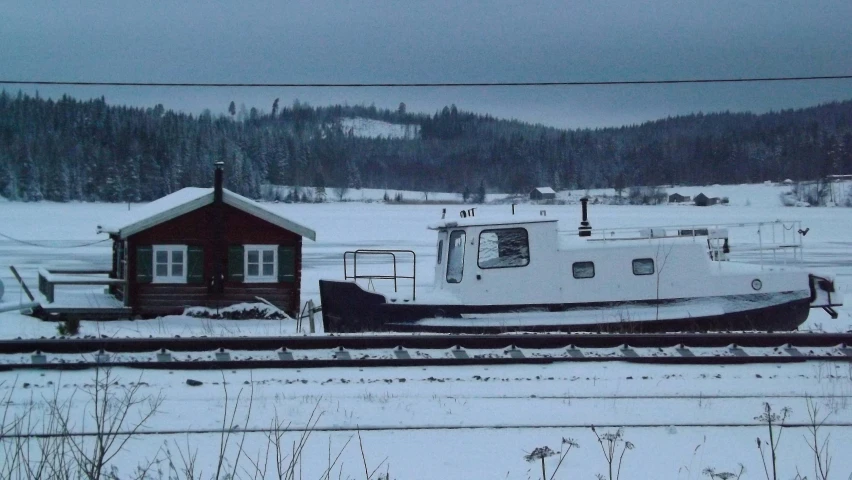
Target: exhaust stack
[585,228]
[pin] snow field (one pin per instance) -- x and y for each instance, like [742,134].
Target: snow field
[508,411]
[478,422]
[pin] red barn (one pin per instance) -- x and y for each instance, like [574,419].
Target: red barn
[206,247]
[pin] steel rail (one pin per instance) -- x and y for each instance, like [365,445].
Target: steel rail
[421,362]
[415,341]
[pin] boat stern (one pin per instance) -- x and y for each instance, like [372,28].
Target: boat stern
[346,307]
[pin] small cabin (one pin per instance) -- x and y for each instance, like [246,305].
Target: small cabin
[205,247]
[702,200]
[542,193]
[678,198]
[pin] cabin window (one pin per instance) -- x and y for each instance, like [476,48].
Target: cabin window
[169,264]
[119,260]
[507,247]
[440,250]
[261,263]
[643,266]
[455,257]
[583,269]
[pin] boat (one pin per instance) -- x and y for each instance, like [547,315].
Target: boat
[518,273]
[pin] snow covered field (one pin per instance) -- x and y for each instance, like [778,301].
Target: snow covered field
[679,418]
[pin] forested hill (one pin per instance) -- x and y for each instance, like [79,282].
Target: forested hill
[88,150]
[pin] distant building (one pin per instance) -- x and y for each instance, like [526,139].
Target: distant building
[702,200]
[678,198]
[542,193]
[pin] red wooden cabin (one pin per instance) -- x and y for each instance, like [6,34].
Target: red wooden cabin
[206,247]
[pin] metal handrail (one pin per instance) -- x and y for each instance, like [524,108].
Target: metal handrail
[393,277]
[693,226]
[767,235]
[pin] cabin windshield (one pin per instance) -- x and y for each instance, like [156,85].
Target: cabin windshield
[506,247]
[455,257]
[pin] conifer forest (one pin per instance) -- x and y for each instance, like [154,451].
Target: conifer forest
[72,150]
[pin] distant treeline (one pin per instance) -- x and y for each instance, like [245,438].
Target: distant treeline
[67,149]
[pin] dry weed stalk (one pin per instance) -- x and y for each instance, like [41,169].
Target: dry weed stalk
[775,424]
[610,443]
[540,453]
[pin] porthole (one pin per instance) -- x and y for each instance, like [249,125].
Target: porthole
[756,284]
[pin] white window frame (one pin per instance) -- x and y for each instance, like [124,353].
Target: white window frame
[260,278]
[169,278]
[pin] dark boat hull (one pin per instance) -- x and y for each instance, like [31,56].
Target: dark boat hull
[347,307]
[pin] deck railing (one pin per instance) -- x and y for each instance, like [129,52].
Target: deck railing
[779,241]
[48,279]
[370,277]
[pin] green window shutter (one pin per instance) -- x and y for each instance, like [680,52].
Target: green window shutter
[286,264]
[195,265]
[144,264]
[236,271]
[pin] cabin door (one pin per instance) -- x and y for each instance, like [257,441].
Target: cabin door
[455,256]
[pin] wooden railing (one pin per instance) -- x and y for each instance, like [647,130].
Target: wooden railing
[48,279]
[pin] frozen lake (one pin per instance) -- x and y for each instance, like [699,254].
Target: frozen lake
[466,422]
[352,225]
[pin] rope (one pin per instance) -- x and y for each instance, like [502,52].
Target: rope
[32,244]
[427,84]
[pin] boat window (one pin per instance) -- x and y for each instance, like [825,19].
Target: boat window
[643,266]
[455,257]
[440,250]
[507,247]
[584,269]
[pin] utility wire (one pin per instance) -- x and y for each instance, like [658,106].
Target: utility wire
[32,244]
[428,84]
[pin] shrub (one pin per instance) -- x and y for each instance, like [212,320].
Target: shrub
[69,326]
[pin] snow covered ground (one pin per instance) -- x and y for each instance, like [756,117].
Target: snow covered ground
[678,417]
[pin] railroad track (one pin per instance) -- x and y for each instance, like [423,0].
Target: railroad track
[199,353]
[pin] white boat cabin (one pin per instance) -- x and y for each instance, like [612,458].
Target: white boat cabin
[516,261]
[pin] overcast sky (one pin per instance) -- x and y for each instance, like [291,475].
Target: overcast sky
[439,41]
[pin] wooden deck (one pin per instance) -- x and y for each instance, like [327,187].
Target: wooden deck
[80,297]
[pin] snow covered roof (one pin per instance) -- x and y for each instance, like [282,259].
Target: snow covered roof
[545,190]
[189,199]
[481,222]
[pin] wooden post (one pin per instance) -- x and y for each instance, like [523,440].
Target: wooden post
[21,281]
[311,311]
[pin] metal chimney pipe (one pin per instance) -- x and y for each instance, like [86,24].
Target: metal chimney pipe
[217,182]
[585,228]
[220,252]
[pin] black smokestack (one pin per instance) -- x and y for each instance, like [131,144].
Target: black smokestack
[585,229]
[217,182]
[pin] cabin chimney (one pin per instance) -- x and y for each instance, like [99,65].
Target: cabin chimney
[217,182]
[585,229]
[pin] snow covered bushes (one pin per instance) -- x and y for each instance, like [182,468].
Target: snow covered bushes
[240,311]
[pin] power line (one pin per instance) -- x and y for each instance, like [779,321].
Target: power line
[427,84]
[33,244]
